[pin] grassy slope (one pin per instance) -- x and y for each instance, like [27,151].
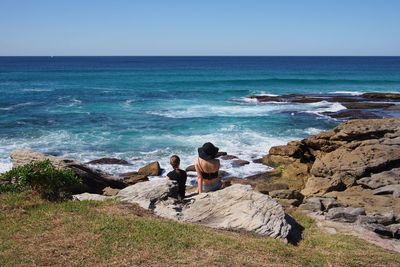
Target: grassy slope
[36,232]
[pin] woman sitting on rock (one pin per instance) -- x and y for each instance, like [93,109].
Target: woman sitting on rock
[207,167]
[178,175]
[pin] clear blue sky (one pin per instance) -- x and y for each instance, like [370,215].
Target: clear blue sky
[199,27]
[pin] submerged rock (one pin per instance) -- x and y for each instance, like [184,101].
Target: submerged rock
[108,161]
[235,207]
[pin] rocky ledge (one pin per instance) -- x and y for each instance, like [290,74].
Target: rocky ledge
[235,207]
[364,106]
[350,174]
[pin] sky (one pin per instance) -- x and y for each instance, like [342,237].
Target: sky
[194,27]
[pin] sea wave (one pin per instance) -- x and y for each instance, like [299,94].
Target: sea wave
[37,90]
[353,93]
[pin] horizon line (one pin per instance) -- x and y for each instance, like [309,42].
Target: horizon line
[201,56]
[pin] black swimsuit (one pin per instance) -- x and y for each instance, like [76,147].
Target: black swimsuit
[208,176]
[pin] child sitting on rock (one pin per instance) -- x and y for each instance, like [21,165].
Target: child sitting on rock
[178,175]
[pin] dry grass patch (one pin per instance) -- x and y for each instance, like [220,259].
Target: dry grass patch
[112,233]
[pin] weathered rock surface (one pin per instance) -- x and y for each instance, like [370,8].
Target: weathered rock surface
[228,157]
[376,180]
[151,169]
[344,214]
[352,169]
[239,162]
[388,189]
[108,161]
[235,207]
[133,177]
[108,191]
[89,196]
[93,180]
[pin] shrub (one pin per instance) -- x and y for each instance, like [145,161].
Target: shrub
[51,183]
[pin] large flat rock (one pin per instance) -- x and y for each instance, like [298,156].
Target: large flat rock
[235,207]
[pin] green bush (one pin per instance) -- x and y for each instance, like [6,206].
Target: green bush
[51,183]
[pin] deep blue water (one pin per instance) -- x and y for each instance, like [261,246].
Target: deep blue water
[148,108]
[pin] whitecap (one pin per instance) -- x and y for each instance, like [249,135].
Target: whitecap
[353,93]
[312,131]
[37,90]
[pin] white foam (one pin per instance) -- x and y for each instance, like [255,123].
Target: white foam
[12,107]
[324,106]
[37,90]
[198,111]
[312,131]
[354,93]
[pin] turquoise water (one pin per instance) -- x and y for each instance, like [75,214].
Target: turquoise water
[148,108]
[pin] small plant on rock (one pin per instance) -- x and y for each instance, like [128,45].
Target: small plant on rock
[51,183]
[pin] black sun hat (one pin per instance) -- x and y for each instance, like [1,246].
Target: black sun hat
[208,151]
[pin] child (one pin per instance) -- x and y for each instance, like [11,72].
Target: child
[178,175]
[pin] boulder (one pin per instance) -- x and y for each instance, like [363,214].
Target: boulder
[265,188]
[376,180]
[133,177]
[228,157]
[286,194]
[316,186]
[151,169]
[147,194]
[108,191]
[317,204]
[239,162]
[395,229]
[235,207]
[379,229]
[344,214]
[259,160]
[221,153]
[290,150]
[108,161]
[350,163]
[190,168]
[89,196]
[94,180]
[388,189]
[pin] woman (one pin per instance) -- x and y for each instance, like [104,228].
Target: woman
[207,167]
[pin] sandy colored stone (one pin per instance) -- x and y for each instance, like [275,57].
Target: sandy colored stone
[151,169]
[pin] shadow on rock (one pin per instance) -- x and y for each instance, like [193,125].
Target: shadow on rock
[295,233]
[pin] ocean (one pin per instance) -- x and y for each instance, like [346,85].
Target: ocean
[144,109]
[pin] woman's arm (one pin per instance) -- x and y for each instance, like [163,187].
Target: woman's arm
[199,177]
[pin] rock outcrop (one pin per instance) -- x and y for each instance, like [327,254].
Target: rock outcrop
[354,167]
[235,207]
[365,106]
[94,180]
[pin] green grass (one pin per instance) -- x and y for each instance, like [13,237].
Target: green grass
[36,232]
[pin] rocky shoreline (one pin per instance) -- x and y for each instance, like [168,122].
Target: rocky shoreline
[348,176]
[363,106]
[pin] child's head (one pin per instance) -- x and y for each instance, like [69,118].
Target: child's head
[175,161]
